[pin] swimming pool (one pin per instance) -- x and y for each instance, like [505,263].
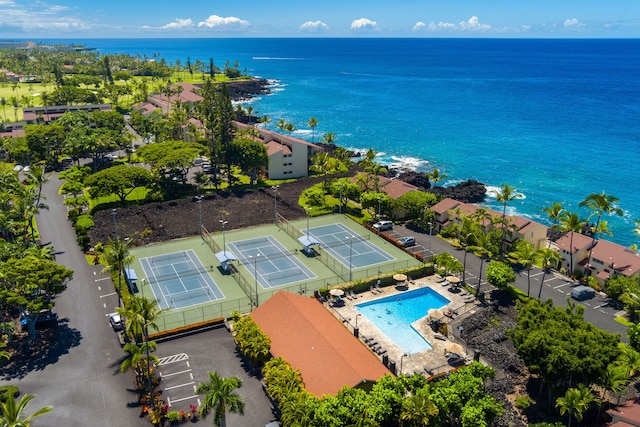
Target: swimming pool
[394,315]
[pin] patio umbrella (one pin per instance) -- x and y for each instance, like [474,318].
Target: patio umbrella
[336,292]
[453,347]
[435,314]
[453,279]
[400,277]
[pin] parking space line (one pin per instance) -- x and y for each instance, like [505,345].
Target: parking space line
[100,280]
[176,373]
[108,295]
[560,286]
[173,358]
[184,398]
[178,386]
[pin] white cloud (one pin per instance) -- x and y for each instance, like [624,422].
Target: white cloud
[441,26]
[179,23]
[364,24]
[419,26]
[228,23]
[473,23]
[314,26]
[7,3]
[573,23]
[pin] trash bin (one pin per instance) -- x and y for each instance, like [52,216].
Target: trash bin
[392,367]
[385,360]
[356,332]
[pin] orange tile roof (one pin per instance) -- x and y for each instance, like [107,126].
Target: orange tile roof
[314,342]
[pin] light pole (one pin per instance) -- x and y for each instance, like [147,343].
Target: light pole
[340,210]
[308,210]
[430,233]
[255,273]
[199,199]
[357,315]
[142,286]
[115,225]
[379,204]
[350,239]
[275,204]
[401,360]
[224,243]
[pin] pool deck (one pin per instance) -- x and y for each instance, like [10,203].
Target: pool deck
[430,362]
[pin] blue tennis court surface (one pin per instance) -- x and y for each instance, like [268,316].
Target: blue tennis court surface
[179,280]
[348,247]
[267,259]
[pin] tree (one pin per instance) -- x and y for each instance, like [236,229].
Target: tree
[171,156]
[30,284]
[500,274]
[546,259]
[313,122]
[575,401]
[140,314]
[418,409]
[119,180]
[555,342]
[328,138]
[484,248]
[249,155]
[219,397]
[505,195]
[435,176]
[13,413]
[525,256]
[571,223]
[117,255]
[600,204]
[554,213]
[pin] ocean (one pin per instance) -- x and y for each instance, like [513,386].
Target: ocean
[558,119]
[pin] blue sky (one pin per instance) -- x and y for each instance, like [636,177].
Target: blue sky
[31,19]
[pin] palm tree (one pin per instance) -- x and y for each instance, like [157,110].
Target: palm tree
[37,176]
[3,102]
[140,314]
[220,398]
[576,401]
[375,170]
[136,359]
[418,409]
[117,256]
[13,414]
[466,229]
[506,194]
[484,248]
[546,259]
[570,222]
[629,360]
[525,256]
[328,138]
[436,176]
[313,122]
[615,380]
[555,213]
[599,204]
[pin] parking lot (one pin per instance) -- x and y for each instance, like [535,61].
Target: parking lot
[178,381]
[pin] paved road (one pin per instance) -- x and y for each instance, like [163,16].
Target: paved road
[598,311]
[78,375]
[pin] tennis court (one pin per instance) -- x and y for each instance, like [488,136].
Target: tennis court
[179,280]
[269,262]
[348,247]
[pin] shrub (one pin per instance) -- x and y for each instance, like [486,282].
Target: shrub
[523,402]
[84,222]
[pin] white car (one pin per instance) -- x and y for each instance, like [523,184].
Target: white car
[383,225]
[116,322]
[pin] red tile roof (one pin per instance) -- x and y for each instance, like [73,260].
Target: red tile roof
[444,205]
[396,188]
[629,412]
[615,257]
[314,342]
[580,242]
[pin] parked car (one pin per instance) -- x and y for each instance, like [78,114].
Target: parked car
[383,225]
[116,322]
[581,293]
[407,241]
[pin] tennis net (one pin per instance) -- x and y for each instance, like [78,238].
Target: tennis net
[189,294]
[176,275]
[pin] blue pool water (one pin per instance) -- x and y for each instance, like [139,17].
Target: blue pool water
[394,315]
